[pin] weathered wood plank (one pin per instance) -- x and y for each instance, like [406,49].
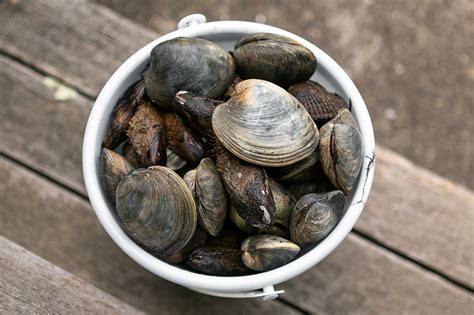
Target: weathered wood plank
[76,41]
[358,277]
[410,209]
[62,228]
[29,284]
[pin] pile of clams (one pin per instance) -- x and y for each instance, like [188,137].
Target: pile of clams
[230,163]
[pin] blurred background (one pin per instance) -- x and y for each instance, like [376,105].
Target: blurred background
[412,61]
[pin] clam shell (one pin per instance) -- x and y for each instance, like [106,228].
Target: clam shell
[146,132]
[173,161]
[247,187]
[211,197]
[274,58]
[182,140]
[114,167]
[231,89]
[314,217]
[266,252]
[157,209]
[229,237]
[217,260]
[198,239]
[190,64]
[196,111]
[130,155]
[321,104]
[123,112]
[264,125]
[303,170]
[340,150]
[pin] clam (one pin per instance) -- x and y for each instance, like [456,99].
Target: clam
[284,204]
[210,194]
[129,154]
[340,150]
[273,58]
[157,209]
[264,125]
[230,90]
[196,111]
[247,187]
[174,161]
[229,237]
[300,171]
[114,167]
[217,260]
[190,64]
[314,217]
[182,140]
[123,112]
[146,132]
[320,184]
[198,239]
[321,104]
[266,252]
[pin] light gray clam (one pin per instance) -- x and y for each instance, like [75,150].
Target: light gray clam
[190,64]
[314,217]
[274,58]
[264,125]
[340,150]
[266,252]
[114,167]
[210,194]
[157,209]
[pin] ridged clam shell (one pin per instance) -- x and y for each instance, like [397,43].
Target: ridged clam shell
[300,171]
[264,125]
[173,161]
[274,58]
[266,252]
[321,104]
[157,209]
[190,64]
[114,167]
[314,217]
[340,150]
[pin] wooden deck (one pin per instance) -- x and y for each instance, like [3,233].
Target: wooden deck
[412,250]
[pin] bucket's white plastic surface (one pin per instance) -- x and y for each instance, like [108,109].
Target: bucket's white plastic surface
[226,33]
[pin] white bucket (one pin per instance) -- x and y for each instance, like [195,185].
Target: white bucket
[226,33]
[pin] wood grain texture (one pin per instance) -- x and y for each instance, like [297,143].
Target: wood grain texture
[63,229]
[358,277]
[74,40]
[29,284]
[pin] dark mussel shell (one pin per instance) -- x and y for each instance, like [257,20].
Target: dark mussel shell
[146,132]
[217,260]
[273,58]
[198,239]
[188,64]
[321,104]
[123,112]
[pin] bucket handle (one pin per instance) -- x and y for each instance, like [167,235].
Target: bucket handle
[267,293]
[191,20]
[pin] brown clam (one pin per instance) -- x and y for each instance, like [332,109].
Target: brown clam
[264,125]
[340,150]
[273,58]
[146,132]
[198,239]
[196,111]
[314,217]
[182,140]
[123,112]
[266,252]
[210,194]
[321,104]
[157,209]
[114,167]
[231,89]
[188,64]
[247,187]
[217,260]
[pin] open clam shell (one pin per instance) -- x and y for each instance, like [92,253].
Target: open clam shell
[157,209]
[264,125]
[190,64]
[274,58]
[340,150]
